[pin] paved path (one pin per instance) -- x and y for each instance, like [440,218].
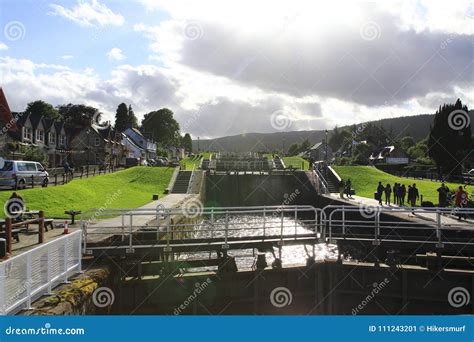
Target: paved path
[30,240]
[424,216]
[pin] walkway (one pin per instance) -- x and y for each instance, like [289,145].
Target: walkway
[424,217]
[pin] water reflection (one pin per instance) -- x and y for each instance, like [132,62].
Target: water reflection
[249,225]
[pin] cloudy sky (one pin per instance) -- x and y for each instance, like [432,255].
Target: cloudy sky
[230,67]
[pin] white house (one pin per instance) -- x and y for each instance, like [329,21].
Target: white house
[148,145]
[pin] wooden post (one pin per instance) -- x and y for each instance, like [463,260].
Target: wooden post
[41,227]
[32,181]
[55,179]
[8,234]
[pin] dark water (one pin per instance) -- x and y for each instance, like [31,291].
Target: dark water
[249,225]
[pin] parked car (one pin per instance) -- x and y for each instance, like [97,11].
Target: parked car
[19,174]
[130,162]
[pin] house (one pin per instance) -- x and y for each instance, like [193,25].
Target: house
[98,145]
[133,150]
[144,142]
[318,152]
[389,155]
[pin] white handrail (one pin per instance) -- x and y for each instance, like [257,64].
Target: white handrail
[28,276]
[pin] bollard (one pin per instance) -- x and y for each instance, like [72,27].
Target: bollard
[41,227]
[8,234]
[66,228]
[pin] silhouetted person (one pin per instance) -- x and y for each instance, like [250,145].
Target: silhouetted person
[442,195]
[388,194]
[380,190]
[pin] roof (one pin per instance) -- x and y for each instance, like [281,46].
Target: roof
[6,113]
[316,146]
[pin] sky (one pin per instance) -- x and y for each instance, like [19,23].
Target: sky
[239,66]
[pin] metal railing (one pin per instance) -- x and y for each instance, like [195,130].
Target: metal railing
[205,224]
[27,276]
[403,224]
[323,184]
[190,184]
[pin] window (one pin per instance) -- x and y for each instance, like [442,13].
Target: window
[30,166]
[39,135]
[52,138]
[27,133]
[97,142]
[22,167]
[62,139]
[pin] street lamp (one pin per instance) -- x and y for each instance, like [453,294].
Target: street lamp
[326,146]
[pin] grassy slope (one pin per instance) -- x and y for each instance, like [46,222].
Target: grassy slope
[365,180]
[123,189]
[188,163]
[296,161]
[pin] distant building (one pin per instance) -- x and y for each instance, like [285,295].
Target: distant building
[145,143]
[389,155]
[317,152]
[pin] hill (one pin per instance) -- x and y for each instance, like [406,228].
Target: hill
[418,126]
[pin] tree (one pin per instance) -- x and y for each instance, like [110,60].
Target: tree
[121,118]
[79,115]
[43,108]
[450,137]
[407,142]
[305,145]
[132,119]
[293,150]
[361,154]
[162,125]
[187,143]
[36,154]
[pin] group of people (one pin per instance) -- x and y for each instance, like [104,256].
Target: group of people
[460,197]
[400,192]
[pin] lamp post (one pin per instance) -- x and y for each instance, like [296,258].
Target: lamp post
[326,146]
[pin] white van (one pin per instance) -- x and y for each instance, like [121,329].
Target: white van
[20,174]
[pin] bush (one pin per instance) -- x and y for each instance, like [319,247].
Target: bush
[33,153]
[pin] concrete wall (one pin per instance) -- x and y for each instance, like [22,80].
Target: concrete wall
[254,190]
[323,289]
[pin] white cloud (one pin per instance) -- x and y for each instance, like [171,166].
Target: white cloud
[88,13]
[116,54]
[3,46]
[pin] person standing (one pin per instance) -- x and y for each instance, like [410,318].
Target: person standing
[403,193]
[388,194]
[461,201]
[380,190]
[341,188]
[442,195]
[349,188]
[395,193]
